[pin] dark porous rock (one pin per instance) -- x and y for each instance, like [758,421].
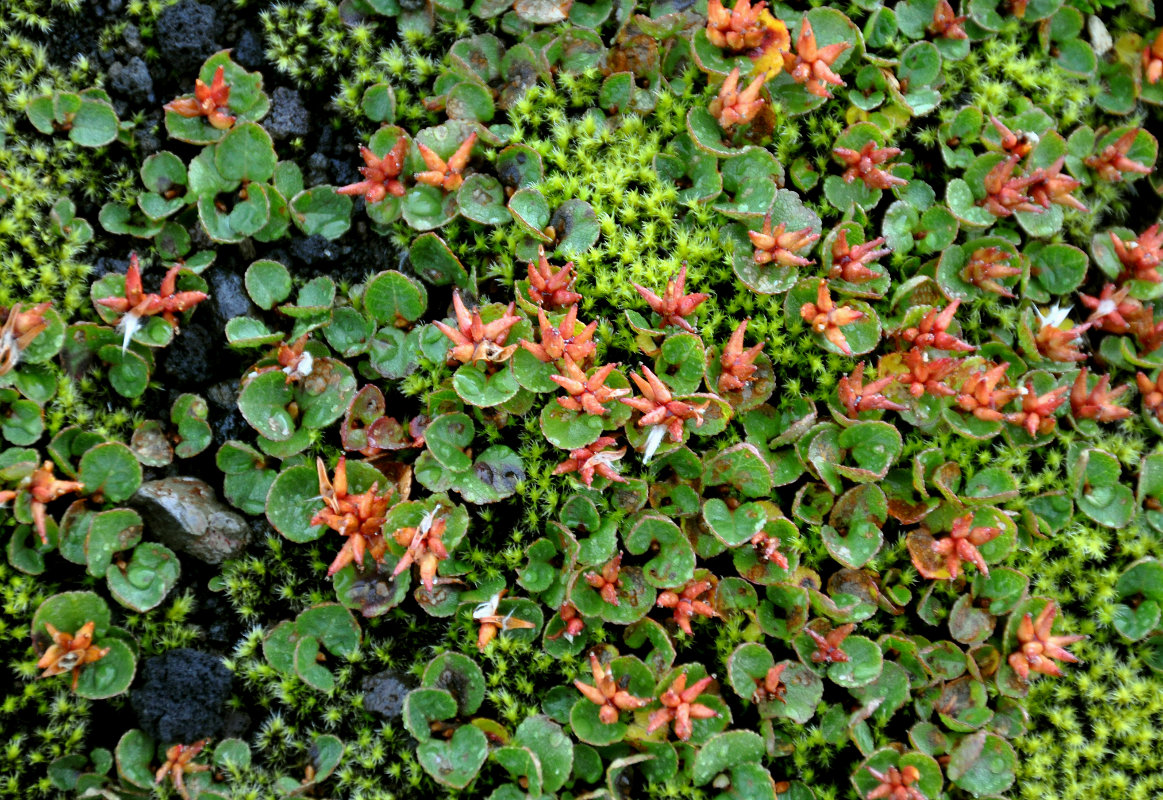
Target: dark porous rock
[180,696]
[314,251]
[223,395]
[189,30]
[107,265]
[183,513]
[132,38]
[229,424]
[384,693]
[249,50]
[228,297]
[220,624]
[192,356]
[131,80]
[288,116]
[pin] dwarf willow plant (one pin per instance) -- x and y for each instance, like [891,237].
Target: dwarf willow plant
[724,426]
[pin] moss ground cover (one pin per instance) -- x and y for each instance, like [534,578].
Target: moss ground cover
[563,399]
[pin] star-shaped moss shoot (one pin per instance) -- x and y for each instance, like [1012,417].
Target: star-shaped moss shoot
[179,761]
[493,623]
[607,581]
[770,688]
[42,488]
[293,359]
[828,319]
[933,331]
[359,517]
[810,65]
[473,340]
[587,395]
[548,288]
[981,397]
[17,332]
[593,459]
[564,341]
[1005,193]
[865,165]
[674,305]
[679,706]
[1152,60]
[986,267]
[441,174]
[947,24]
[780,246]
[1152,392]
[767,548]
[851,263]
[686,604]
[137,304]
[1057,336]
[1038,648]
[381,176]
[1037,412]
[1112,163]
[926,375]
[605,693]
[960,545]
[1050,186]
[1113,309]
[425,545]
[828,646]
[896,784]
[858,396]
[1140,257]
[739,29]
[1014,143]
[733,106]
[70,652]
[738,364]
[1147,332]
[572,623]
[208,101]
[660,410]
[1097,403]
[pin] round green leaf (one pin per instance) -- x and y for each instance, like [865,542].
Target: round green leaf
[321,211]
[379,103]
[982,764]
[568,429]
[455,762]
[95,123]
[393,298]
[268,283]
[485,391]
[69,611]
[147,578]
[110,469]
[733,527]
[246,153]
[111,675]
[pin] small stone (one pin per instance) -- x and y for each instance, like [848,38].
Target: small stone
[184,513]
[228,296]
[191,359]
[384,693]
